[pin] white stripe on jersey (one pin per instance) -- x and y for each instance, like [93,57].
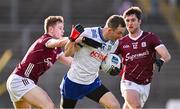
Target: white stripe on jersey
[29,69]
[159,46]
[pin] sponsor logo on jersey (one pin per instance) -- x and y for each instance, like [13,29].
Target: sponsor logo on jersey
[126,46]
[97,55]
[136,56]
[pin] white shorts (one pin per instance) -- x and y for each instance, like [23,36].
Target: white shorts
[142,89]
[17,86]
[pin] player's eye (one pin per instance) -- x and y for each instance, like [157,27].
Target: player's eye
[127,20]
[133,20]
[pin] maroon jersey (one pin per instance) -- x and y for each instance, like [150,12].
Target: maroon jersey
[138,57]
[38,59]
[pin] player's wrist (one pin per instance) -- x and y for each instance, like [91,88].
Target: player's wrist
[159,63]
[71,40]
[162,60]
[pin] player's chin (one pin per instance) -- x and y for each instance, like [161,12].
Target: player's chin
[120,37]
[117,38]
[130,29]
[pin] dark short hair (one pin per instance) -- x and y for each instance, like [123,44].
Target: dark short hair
[52,20]
[114,21]
[133,10]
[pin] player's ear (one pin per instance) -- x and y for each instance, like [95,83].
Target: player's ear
[110,30]
[50,29]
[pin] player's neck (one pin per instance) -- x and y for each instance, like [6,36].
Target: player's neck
[104,34]
[135,34]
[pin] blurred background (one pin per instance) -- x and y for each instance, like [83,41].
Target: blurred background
[21,23]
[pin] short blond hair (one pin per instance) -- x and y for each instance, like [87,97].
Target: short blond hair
[52,20]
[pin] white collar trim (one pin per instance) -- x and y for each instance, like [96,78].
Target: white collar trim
[137,36]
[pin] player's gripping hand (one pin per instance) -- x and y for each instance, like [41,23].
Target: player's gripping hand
[75,32]
[159,63]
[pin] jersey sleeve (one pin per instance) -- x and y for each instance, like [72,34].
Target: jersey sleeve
[85,33]
[155,41]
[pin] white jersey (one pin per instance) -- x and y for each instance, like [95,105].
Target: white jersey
[85,66]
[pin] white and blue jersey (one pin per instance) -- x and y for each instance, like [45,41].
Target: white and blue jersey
[85,66]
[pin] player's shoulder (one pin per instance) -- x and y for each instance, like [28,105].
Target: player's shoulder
[125,37]
[148,34]
[44,38]
[91,32]
[123,40]
[91,28]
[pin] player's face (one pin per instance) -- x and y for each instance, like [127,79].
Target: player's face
[58,30]
[117,33]
[132,23]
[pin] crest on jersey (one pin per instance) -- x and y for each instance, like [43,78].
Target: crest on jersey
[143,44]
[135,45]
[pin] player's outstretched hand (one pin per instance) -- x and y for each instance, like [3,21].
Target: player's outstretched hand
[159,63]
[75,32]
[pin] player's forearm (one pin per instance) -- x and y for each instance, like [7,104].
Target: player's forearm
[69,48]
[166,57]
[52,43]
[164,53]
[65,60]
[62,42]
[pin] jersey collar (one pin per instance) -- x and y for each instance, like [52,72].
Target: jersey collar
[136,38]
[101,35]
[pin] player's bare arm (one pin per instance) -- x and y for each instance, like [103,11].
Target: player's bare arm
[64,60]
[52,43]
[163,52]
[70,48]
[79,39]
